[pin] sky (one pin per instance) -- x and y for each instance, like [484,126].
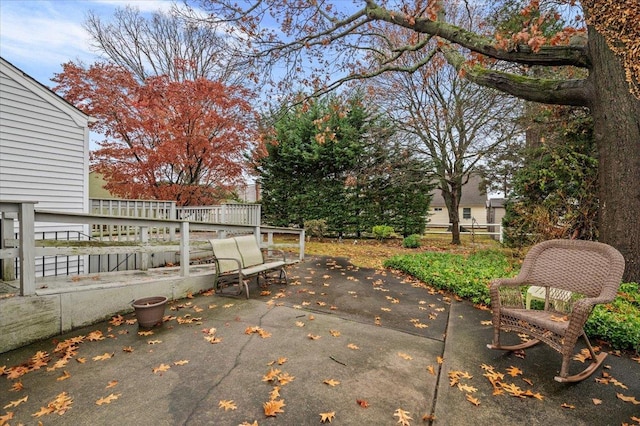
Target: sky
[38,36]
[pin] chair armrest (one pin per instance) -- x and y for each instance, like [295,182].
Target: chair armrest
[507,282]
[582,307]
[506,292]
[217,259]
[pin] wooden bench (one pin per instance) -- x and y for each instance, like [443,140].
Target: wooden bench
[240,258]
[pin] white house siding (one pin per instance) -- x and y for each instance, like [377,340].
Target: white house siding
[440,215]
[471,198]
[44,153]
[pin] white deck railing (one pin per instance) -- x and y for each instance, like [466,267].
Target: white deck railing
[235,214]
[26,250]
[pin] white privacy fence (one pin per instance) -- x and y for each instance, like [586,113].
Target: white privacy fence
[492,229]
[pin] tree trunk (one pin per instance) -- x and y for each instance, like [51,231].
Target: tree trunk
[451,197]
[616,117]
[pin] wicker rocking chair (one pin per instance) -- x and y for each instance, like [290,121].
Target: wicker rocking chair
[590,271]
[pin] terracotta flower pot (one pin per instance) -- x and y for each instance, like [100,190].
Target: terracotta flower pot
[149,310]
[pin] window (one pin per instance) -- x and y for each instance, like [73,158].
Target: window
[437,209]
[466,213]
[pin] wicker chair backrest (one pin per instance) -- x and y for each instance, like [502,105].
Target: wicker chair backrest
[586,267]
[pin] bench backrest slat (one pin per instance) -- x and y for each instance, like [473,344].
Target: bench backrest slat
[249,250]
[226,248]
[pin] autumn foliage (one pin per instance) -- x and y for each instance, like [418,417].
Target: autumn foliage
[182,141]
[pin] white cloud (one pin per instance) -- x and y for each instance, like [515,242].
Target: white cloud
[141,5]
[39,35]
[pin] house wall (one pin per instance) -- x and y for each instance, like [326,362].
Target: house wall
[44,150]
[440,215]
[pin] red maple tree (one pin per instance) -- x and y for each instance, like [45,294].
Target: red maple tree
[184,141]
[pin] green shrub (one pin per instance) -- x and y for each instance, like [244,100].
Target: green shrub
[382,232]
[412,241]
[617,323]
[316,228]
[467,276]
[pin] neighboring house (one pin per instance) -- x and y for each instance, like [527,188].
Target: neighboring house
[495,213]
[44,151]
[495,210]
[96,186]
[249,193]
[472,205]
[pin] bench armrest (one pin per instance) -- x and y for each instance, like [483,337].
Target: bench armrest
[276,254]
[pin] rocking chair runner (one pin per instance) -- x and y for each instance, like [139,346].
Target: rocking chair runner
[590,271]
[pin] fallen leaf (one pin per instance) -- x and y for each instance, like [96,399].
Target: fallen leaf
[59,405]
[285,378]
[313,336]
[403,417]
[439,360]
[111,384]
[108,399]
[327,417]
[127,349]
[565,405]
[17,386]
[272,375]
[273,407]
[596,401]
[405,356]
[467,388]
[16,403]
[65,376]
[514,371]
[4,420]
[154,342]
[331,382]
[486,322]
[227,405]
[161,368]
[275,393]
[431,370]
[363,403]
[95,335]
[559,319]
[102,357]
[181,362]
[353,346]
[145,332]
[473,400]
[334,333]
[625,398]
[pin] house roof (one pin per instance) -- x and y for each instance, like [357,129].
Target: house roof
[44,92]
[471,194]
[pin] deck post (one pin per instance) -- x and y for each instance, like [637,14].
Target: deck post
[184,249]
[27,248]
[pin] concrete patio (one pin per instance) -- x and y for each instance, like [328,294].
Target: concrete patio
[350,345]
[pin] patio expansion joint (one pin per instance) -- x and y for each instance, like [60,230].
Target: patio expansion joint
[236,364]
[440,377]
